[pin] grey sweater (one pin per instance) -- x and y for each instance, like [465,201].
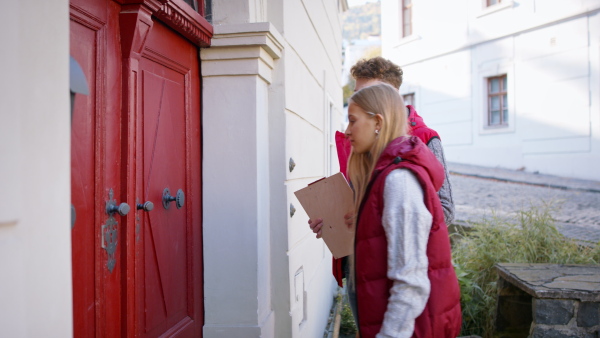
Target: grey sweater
[445,193]
[407,223]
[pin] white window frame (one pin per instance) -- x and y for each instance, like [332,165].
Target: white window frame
[330,122]
[493,70]
[402,40]
[485,9]
[414,89]
[414,99]
[402,23]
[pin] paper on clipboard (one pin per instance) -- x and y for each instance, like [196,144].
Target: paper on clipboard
[330,199]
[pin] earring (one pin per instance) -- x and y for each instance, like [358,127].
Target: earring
[376,132]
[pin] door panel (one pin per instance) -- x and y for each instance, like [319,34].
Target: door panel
[95,168]
[82,185]
[171,238]
[165,232]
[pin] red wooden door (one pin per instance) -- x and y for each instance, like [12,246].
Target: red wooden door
[137,133]
[95,171]
[168,248]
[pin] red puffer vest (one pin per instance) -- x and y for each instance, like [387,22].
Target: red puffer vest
[417,128]
[442,314]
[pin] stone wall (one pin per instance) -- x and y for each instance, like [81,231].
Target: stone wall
[565,318]
[548,300]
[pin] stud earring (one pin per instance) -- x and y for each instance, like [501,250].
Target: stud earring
[376,132]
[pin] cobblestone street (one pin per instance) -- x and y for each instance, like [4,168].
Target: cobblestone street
[480,192]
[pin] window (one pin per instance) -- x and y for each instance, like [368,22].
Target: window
[494,99]
[409,99]
[330,150]
[202,7]
[492,6]
[406,18]
[192,3]
[497,101]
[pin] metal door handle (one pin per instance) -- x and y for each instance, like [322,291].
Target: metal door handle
[179,198]
[122,209]
[73,216]
[112,207]
[147,206]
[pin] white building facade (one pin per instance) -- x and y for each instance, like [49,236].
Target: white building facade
[271,103]
[511,84]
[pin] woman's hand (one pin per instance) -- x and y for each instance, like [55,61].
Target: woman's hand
[316,226]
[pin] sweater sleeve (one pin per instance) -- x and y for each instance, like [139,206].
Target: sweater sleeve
[407,223]
[445,193]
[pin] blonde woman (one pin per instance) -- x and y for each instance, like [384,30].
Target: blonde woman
[401,280]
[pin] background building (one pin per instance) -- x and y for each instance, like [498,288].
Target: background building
[359,49]
[512,84]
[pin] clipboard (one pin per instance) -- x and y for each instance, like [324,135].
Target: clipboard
[330,199]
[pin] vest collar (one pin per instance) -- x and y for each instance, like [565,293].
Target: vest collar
[413,150]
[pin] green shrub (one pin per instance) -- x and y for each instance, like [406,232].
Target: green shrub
[347,324]
[531,238]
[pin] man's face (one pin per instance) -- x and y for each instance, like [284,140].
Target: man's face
[364,82]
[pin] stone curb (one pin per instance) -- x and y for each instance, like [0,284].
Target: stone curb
[523,177]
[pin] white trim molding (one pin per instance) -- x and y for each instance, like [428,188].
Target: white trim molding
[242,49]
[408,39]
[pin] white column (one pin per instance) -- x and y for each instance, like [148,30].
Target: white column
[237,70]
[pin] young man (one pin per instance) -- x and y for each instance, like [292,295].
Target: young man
[378,69]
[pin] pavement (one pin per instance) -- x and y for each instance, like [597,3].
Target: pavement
[485,192]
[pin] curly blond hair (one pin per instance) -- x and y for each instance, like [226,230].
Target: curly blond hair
[378,68]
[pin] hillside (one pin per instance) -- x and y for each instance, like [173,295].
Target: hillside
[362,21]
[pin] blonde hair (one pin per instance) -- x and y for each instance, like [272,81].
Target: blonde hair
[380,99]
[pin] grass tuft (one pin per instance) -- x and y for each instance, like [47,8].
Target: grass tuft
[347,324]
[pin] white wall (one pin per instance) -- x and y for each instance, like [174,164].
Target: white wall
[35,233]
[313,60]
[550,53]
